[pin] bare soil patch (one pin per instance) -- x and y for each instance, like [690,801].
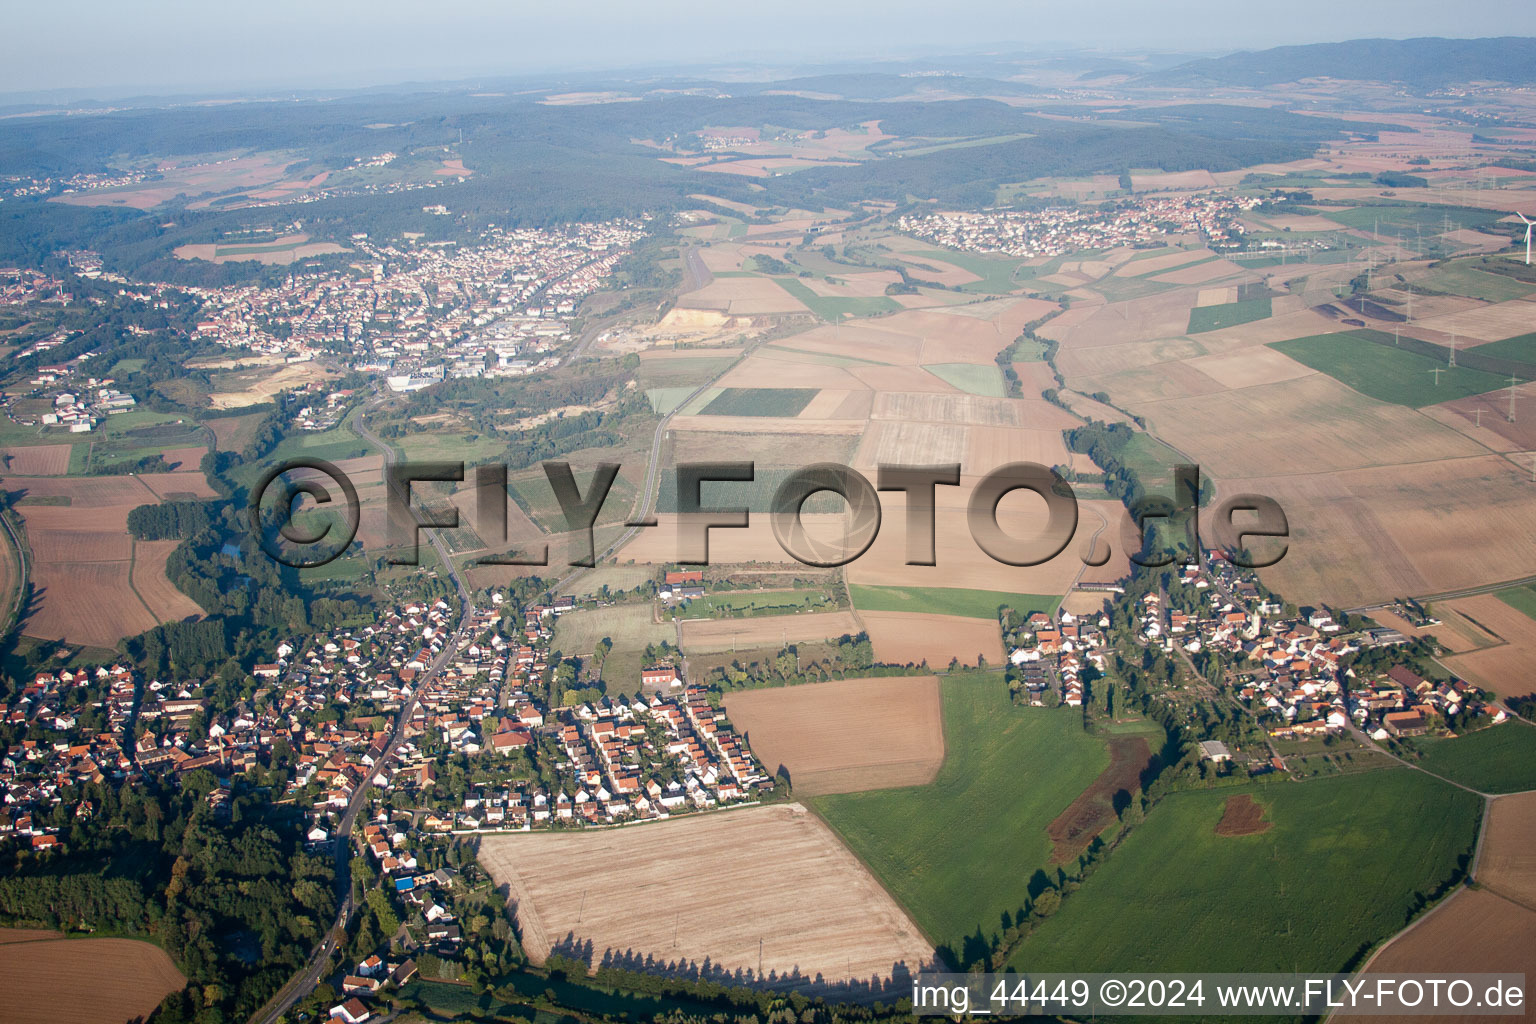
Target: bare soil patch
[1508,861]
[1242,816]
[847,735]
[84,981]
[916,637]
[36,460]
[1094,809]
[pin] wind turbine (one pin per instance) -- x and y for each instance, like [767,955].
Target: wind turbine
[1528,225]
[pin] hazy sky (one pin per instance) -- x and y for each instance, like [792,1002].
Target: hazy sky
[216,45]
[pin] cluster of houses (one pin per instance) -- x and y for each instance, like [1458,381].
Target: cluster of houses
[1054,651]
[85,715]
[1063,230]
[421,312]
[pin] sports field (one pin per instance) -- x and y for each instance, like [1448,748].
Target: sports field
[1345,862]
[971,604]
[1368,362]
[960,852]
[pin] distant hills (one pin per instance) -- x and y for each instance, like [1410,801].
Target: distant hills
[1422,64]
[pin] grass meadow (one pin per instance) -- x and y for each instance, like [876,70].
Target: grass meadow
[1380,370]
[960,852]
[970,604]
[1346,862]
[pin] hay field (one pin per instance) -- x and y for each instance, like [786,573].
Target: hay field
[1508,861]
[708,636]
[36,460]
[44,980]
[847,735]
[767,885]
[1473,931]
[902,638]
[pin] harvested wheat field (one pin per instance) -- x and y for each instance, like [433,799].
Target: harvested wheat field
[94,583]
[1242,815]
[36,460]
[845,736]
[916,638]
[1473,931]
[764,885]
[707,636]
[148,577]
[1095,808]
[42,980]
[1507,864]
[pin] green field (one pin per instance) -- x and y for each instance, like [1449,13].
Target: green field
[970,604]
[1519,349]
[972,378]
[1401,219]
[669,373]
[996,272]
[1347,861]
[1460,279]
[432,446]
[1384,371]
[1227,314]
[836,307]
[1521,599]
[961,852]
[747,603]
[778,402]
[665,400]
[629,626]
[1497,759]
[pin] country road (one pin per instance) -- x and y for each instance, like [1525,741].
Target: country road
[303,983]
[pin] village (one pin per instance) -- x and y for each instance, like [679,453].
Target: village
[1288,671]
[1063,230]
[416,312]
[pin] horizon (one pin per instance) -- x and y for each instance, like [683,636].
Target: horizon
[177,49]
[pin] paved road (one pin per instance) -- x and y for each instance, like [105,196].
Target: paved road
[301,984]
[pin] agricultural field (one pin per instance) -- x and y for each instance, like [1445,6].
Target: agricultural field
[1475,930]
[759,402]
[710,636]
[739,604]
[630,626]
[1507,864]
[1522,599]
[1496,759]
[959,853]
[89,583]
[1507,664]
[1227,314]
[1460,278]
[816,914]
[972,378]
[1097,807]
[971,604]
[845,736]
[1368,362]
[920,638]
[41,975]
[1347,858]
